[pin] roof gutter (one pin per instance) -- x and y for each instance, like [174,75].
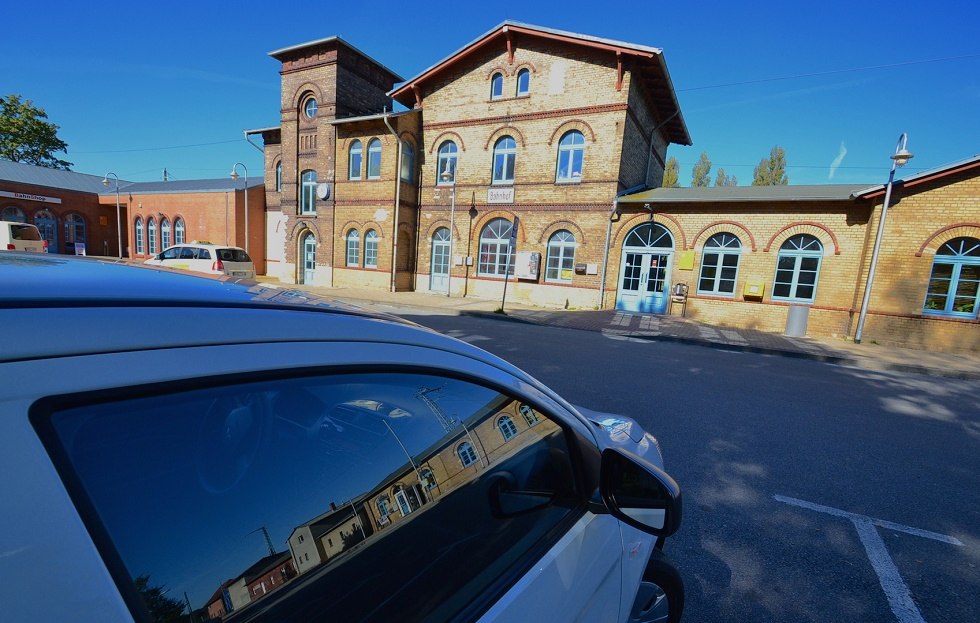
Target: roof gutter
[247,140]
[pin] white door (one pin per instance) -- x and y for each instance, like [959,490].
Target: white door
[309,257]
[439,273]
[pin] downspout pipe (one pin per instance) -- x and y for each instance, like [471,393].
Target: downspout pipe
[398,200]
[605,256]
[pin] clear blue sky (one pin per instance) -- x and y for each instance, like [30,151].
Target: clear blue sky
[139,87]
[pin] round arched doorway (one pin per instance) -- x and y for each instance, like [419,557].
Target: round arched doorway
[644,272]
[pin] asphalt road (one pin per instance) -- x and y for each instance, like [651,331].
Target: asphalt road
[812,492]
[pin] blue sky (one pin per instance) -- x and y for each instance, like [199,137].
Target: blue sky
[139,87]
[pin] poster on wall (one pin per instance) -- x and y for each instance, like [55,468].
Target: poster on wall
[526,264]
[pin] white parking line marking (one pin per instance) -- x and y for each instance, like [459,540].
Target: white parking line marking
[896,591]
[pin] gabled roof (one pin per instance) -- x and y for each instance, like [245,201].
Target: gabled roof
[284,54]
[54,178]
[816,192]
[923,177]
[649,59]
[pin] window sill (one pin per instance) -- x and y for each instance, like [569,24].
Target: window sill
[564,182]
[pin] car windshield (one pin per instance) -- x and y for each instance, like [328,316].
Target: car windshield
[367,497]
[233,255]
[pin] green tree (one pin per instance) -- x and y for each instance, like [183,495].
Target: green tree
[771,171]
[163,609]
[672,174]
[700,174]
[25,136]
[725,180]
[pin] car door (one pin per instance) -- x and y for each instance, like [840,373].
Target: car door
[182,459]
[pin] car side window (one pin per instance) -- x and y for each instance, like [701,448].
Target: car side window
[203,254]
[187,253]
[170,254]
[353,479]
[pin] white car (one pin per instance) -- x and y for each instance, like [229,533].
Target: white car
[177,448]
[16,236]
[204,257]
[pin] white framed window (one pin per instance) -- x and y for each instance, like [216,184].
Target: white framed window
[797,269]
[719,265]
[507,428]
[164,233]
[354,161]
[279,177]
[353,247]
[308,187]
[571,157]
[497,86]
[466,453]
[954,284]
[371,249]
[13,214]
[446,163]
[504,157]
[138,235]
[310,108]
[523,82]
[374,159]
[495,255]
[560,264]
[151,235]
[179,230]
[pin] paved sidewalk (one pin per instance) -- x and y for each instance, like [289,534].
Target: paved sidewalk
[671,328]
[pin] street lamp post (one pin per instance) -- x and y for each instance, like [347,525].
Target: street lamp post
[234,176]
[899,158]
[448,176]
[105,182]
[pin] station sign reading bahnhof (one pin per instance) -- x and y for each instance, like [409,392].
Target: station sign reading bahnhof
[29,197]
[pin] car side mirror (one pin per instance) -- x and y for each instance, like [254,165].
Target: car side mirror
[640,493]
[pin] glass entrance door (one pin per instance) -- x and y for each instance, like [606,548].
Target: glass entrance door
[644,282]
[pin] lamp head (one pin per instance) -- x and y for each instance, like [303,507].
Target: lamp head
[234,174]
[902,156]
[105,181]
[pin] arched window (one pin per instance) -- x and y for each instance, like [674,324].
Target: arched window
[446,173]
[954,285]
[797,268]
[384,506]
[179,231]
[466,453]
[523,82]
[507,428]
[495,253]
[561,257]
[353,247]
[649,236]
[164,233]
[504,155]
[47,223]
[279,177]
[354,161]
[374,159]
[408,162]
[74,229]
[138,235]
[371,249]
[530,415]
[14,214]
[308,202]
[497,86]
[151,235]
[571,157]
[719,265]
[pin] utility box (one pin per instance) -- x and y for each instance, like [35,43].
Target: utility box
[754,289]
[796,320]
